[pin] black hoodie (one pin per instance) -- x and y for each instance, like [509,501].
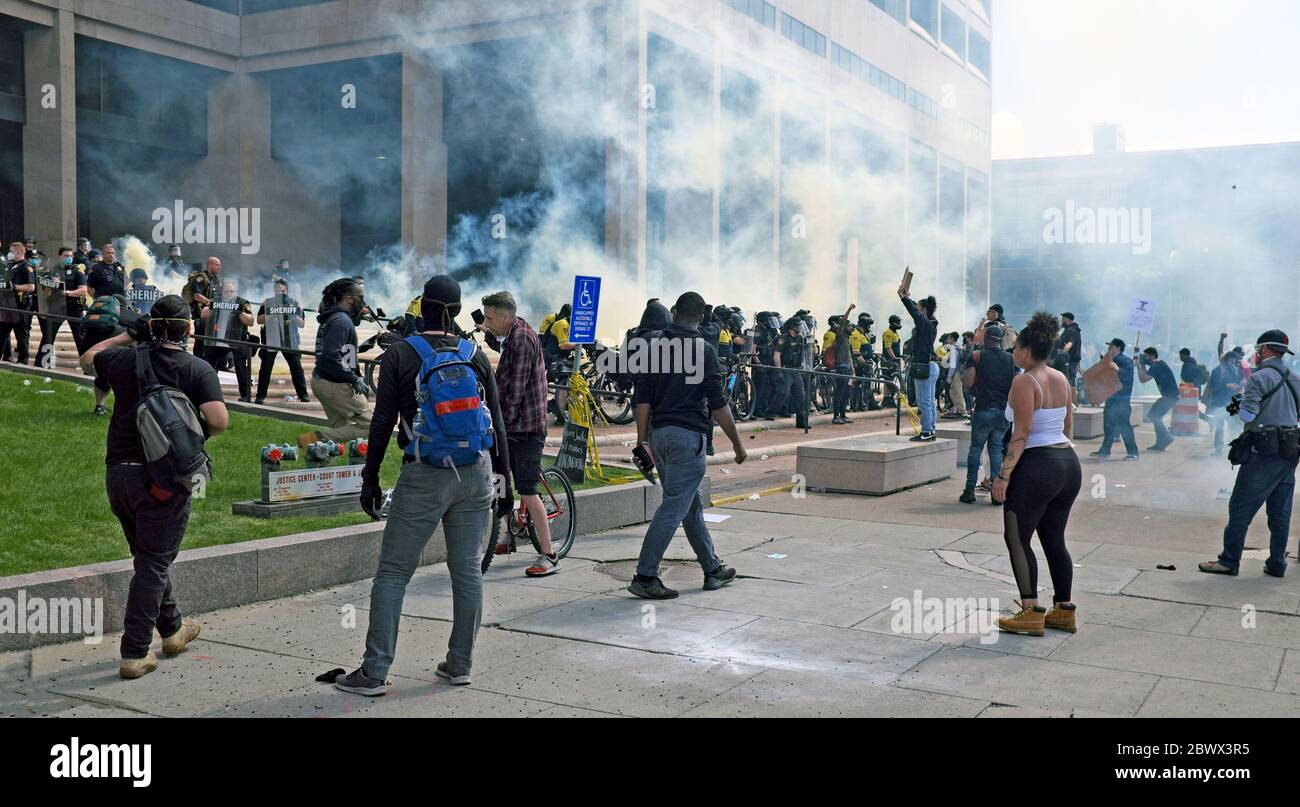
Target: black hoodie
[336,333]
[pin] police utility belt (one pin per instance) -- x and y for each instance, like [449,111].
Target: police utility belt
[1283,441]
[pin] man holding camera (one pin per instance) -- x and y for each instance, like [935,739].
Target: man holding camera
[1151,366]
[153,519]
[1267,450]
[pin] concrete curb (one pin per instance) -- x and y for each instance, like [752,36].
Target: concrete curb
[75,377]
[212,578]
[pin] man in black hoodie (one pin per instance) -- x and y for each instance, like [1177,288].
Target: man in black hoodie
[677,402]
[336,381]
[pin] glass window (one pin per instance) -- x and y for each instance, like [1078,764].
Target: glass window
[802,35]
[953,32]
[978,55]
[894,8]
[925,13]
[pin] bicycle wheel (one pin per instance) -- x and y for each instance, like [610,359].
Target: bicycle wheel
[824,394]
[616,409]
[742,398]
[557,496]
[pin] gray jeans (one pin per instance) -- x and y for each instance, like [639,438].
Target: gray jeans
[424,496]
[680,459]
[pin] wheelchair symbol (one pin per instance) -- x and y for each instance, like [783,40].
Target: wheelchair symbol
[584,299]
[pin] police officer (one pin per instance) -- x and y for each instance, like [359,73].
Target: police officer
[890,360]
[865,341]
[229,317]
[107,277]
[1270,408]
[71,281]
[82,254]
[199,291]
[142,294]
[789,352]
[558,350]
[281,318]
[175,267]
[17,293]
[32,252]
[766,332]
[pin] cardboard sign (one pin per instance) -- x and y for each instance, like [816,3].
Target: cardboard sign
[1101,381]
[572,459]
[1142,316]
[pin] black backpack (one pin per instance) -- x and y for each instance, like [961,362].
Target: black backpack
[171,433]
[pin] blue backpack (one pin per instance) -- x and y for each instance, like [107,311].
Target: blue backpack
[453,425]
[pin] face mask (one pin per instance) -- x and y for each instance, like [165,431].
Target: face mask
[67,261]
[36,261]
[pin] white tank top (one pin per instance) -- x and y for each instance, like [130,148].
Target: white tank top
[1048,425]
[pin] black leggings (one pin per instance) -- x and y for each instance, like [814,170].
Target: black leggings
[1042,490]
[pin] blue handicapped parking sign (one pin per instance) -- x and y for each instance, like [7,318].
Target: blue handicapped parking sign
[586,302]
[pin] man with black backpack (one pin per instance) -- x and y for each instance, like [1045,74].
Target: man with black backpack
[1267,451]
[439,389]
[154,471]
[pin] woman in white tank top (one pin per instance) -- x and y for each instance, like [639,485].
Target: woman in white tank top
[1039,480]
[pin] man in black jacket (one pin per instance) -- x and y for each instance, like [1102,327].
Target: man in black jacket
[678,403]
[1071,341]
[336,379]
[459,497]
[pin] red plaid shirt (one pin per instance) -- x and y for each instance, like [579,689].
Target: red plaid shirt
[521,379]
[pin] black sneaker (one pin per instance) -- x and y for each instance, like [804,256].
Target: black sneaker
[259,401]
[101,410]
[454,679]
[242,399]
[967,496]
[718,578]
[358,683]
[1099,454]
[1156,447]
[1130,456]
[652,590]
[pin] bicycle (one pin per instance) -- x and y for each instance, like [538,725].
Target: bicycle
[737,386]
[612,391]
[519,523]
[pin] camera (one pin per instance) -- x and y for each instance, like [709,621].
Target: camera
[1234,406]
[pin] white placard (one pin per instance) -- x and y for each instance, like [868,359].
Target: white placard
[311,483]
[1142,316]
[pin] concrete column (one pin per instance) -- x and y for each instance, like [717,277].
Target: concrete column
[424,159]
[626,81]
[50,135]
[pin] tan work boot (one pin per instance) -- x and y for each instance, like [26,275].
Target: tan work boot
[1061,617]
[138,667]
[171,645]
[307,438]
[1029,621]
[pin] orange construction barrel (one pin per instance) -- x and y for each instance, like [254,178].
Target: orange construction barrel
[1186,420]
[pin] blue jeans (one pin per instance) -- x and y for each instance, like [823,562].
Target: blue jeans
[679,458]
[1263,480]
[986,426]
[1223,422]
[1156,417]
[925,399]
[424,496]
[1116,422]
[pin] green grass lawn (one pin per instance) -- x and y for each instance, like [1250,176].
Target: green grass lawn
[54,512]
[53,509]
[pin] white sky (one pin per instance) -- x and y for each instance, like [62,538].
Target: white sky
[1172,73]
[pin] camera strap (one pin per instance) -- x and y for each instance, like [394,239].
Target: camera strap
[1286,375]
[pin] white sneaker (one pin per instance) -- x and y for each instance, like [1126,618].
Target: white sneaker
[543,566]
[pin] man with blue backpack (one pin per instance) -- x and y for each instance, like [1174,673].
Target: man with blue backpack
[438,389]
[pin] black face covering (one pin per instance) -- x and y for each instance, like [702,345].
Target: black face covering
[355,313]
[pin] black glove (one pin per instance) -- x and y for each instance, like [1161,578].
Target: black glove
[372,498]
[359,384]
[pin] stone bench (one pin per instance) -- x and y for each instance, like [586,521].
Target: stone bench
[961,433]
[1088,419]
[876,466]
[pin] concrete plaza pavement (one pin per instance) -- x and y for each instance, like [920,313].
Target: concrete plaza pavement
[808,629]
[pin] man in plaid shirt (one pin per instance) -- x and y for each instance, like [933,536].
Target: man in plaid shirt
[521,385]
